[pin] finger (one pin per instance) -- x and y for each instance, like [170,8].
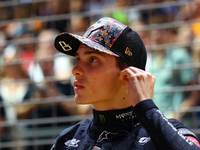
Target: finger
[126,73]
[137,74]
[124,76]
[136,70]
[130,74]
[142,73]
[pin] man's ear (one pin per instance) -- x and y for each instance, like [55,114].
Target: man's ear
[123,79]
[123,83]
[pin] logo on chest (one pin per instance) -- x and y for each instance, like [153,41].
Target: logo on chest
[144,140]
[104,135]
[72,143]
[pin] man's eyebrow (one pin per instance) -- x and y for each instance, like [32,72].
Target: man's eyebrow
[91,52]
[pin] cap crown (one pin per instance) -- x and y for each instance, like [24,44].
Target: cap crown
[105,32]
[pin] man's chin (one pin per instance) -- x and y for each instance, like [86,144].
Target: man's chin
[80,100]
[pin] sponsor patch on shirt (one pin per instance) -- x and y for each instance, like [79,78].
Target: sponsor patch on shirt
[144,140]
[72,143]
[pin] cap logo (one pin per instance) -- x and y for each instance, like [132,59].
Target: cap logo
[65,47]
[93,28]
[128,52]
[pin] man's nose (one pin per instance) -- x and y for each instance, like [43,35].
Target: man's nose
[78,69]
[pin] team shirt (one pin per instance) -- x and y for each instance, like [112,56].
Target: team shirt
[142,127]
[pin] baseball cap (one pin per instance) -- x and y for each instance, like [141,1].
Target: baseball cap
[109,36]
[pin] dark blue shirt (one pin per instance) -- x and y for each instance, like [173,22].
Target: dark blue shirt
[122,130]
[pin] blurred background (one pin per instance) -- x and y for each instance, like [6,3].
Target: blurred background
[36,92]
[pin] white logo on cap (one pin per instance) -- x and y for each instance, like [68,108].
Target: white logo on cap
[65,47]
[93,28]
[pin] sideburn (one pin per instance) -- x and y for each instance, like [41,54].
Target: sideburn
[121,64]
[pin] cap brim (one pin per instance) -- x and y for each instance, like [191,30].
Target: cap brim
[68,43]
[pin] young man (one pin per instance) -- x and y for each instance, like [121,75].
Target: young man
[110,75]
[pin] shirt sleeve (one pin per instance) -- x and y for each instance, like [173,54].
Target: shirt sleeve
[164,134]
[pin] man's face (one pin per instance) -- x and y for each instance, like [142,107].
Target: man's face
[96,78]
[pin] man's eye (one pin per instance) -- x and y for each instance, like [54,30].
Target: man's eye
[78,59]
[94,59]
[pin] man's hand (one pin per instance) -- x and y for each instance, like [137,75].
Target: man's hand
[140,84]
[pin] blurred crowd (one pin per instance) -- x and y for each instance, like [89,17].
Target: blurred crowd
[36,80]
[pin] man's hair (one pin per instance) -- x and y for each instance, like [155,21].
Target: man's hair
[121,64]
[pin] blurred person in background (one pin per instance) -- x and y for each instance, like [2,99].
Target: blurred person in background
[79,23]
[194,100]
[195,7]
[57,7]
[186,115]
[76,6]
[15,87]
[161,67]
[3,43]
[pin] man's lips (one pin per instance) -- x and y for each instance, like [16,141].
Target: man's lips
[78,85]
